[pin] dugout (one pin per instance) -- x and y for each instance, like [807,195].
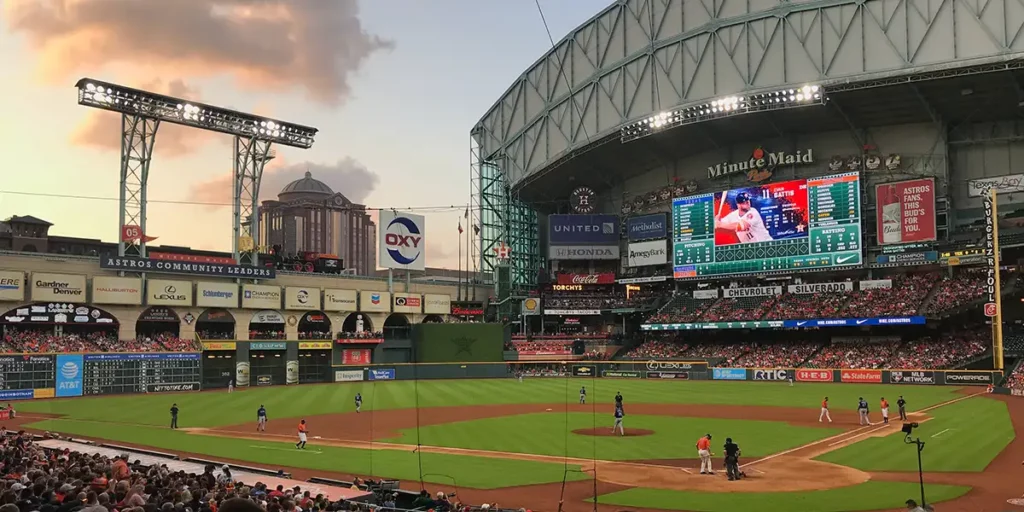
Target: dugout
[268,363]
[314,358]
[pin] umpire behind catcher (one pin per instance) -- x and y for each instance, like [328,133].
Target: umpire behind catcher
[732,459]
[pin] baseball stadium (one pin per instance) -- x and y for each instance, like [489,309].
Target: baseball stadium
[726,257]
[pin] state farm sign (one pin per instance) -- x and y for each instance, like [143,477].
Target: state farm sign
[861,376]
[602,278]
[814,375]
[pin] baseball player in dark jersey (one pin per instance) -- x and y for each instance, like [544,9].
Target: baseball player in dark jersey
[583,395]
[261,419]
[619,413]
[862,411]
[359,401]
[902,405]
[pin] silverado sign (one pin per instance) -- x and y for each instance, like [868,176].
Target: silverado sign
[761,161]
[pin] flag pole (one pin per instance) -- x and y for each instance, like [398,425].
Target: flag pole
[459,293]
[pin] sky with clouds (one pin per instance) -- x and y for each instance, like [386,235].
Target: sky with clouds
[393,85]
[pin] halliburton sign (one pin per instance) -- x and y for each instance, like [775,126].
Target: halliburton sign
[861,376]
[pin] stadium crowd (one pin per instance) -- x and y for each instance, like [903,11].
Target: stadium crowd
[48,480]
[32,341]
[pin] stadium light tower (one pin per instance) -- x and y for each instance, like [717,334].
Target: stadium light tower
[141,115]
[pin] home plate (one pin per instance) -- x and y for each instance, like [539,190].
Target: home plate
[548,409]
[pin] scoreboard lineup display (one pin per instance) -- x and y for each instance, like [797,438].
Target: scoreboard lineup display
[21,374]
[106,374]
[791,225]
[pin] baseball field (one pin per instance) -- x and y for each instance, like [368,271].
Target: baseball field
[532,444]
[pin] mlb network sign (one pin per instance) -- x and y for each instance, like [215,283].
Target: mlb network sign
[401,241]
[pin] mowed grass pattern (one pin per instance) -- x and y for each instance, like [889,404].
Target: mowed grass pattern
[964,436]
[551,434]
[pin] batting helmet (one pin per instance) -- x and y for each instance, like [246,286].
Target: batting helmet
[742,197]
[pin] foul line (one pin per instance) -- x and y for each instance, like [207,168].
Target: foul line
[844,434]
[314,452]
[876,429]
[937,434]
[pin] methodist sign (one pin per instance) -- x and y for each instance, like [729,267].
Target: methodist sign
[194,268]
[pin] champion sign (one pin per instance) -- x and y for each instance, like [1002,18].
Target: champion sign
[401,241]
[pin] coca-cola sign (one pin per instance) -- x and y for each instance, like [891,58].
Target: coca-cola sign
[602,278]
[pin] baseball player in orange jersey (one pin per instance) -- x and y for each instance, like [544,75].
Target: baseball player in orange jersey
[885,411]
[704,452]
[302,435]
[824,411]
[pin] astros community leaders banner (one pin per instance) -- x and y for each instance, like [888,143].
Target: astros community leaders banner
[372,302]
[340,300]
[113,262]
[408,303]
[117,290]
[12,286]
[301,298]
[255,296]
[437,304]
[216,295]
[401,242]
[58,287]
[168,293]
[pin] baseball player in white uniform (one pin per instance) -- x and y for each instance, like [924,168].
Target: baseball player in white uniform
[745,221]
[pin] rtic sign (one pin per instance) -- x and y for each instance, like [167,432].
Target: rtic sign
[771,374]
[969,378]
[814,375]
[861,376]
[602,278]
[901,377]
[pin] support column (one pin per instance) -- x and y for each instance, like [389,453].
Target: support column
[137,137]
[250,155]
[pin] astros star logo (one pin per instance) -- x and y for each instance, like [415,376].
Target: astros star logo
[464,344]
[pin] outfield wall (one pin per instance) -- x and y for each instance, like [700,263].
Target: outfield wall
[37,376]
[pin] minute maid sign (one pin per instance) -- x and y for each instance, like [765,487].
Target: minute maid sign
[761,162]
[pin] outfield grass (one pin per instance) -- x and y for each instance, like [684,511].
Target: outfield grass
[142,419]
[872,495]
[217,408]
[964,436]
[551,434]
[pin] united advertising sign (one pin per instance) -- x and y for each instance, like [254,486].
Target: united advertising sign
[256,296]
[340,300]
[643,254]
[408,303]
[58,287]
[370,302]
[168,293]
[217,295]
[302,299]
[593,230]
[401,243]
[195,268]
[647,227]
[906,211]
[117,290]
[12,286]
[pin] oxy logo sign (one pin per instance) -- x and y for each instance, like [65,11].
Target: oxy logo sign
[69,375]
[402,240]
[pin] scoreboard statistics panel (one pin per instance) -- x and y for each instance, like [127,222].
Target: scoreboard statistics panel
[106,374]
[20,374]
[791,225]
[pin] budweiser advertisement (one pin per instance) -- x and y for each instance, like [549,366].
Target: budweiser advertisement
[906,211]
[861,376]
[804,375]
[602,278]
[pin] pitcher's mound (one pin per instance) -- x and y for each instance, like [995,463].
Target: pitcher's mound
[607,432]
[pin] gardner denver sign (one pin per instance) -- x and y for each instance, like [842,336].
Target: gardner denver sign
[760,161]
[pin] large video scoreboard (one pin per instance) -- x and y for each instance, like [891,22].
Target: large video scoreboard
[106,374]
[791,225]
[21,374]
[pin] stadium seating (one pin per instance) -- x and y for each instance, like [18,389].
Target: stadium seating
[28,341]
[739,309]
[952,293]
[50,479]
[682,309]
[904,298]
[793,306]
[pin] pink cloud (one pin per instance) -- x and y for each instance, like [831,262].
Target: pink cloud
[346,176]
[310,45]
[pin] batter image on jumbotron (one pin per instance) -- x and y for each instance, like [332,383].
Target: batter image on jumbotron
[761,214]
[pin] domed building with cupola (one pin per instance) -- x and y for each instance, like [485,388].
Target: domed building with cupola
[310,217]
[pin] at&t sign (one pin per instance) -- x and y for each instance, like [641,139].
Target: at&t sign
[401,241]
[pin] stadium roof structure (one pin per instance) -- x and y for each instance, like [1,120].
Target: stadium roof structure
[141,115]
